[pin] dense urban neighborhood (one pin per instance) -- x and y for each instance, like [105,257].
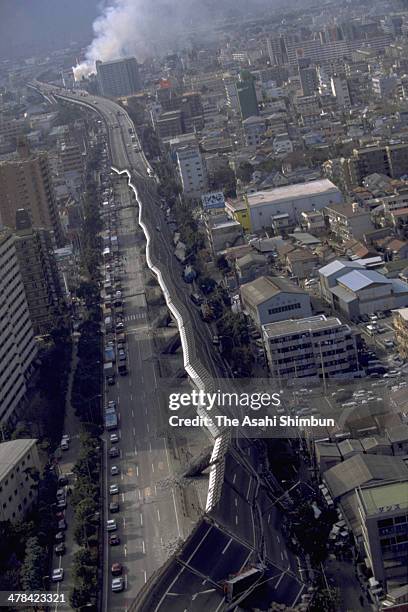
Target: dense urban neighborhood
[204,312]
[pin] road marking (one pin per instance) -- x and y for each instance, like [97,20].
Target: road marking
[152,468]
[278,538]
[125,550]
[135,450]
[249,488]
[125,581]
[131,397]
[123,497]
[134,432]
[158,515]
[121,476]
[226,546]
[141,519]
[143,547]
[236,502]
[269,518]
[150,446]
[282,555]
[145,576]
[140,493]
[137,471]
[236,519]
[118,400]
[148,427]
[124,522]
[234,479]
[133,414]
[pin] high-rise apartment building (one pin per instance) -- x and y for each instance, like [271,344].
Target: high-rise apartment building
[26,183]
[309,80]
[17,346]
[119,77]
[39,273]
[340,91]
[317,346]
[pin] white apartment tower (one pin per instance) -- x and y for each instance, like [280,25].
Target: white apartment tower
[17,346]
[192,171]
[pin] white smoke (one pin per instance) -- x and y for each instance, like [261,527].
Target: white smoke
[132,27]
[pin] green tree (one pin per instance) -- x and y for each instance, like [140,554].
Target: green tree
[244,171]
[325,600]
[224,179]
[33,567]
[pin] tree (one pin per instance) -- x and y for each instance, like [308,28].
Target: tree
[242,361]
[224,179]
[223,264]
[33,567]
[325,600]
[207,285]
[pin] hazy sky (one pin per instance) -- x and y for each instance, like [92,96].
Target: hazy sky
[27,26]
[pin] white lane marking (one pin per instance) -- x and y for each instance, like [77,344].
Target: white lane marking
[125,550]
[135,450]
[124,522]
[158,515]
[131,397]
[235,501]
[278,538]
[134,432]
[233,480]
[141,519]
[145,576]
[139,493]
[137,470]
[150,446]
[133,414]
[143,547]
[282,555]
[226,546]
[118,400]
[236,519]
[152,468]
[123,497]
[148,427]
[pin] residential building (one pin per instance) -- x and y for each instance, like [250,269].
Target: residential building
[118,77]
[301,263]
[341,92]
[270,299]
[309,80]
[26,183]
[39,273]
[254,129]
[223,232]
[384,85]
[192,171]
[313,222]
[318,346]
[291,200]
[347,221]
[238,210]
[18,350]
[251,266]
[382,509]
[19,461]
[400,324]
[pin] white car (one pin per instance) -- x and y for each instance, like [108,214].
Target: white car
[57,574]
[113,489]
[117,584]
[111,525]
[114,438]
[114,470]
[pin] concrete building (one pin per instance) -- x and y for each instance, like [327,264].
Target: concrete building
[383,512]
[347,221]
[251,266]
[291,200]
[309,80]
[270,299]
[26,183]
[254,129]
[384,85]
[223,232]
[17,487]
[192,171]
[311,347]
[340,91]
[39,273]
[169,124]
[353,290]
[248,102]
[118,77]
[400,324]
[17,346]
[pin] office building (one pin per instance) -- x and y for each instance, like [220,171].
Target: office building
[192,171]
[169,124]
[26,183]
[269,299]
[17,346]
[290,200]
[39,273]
[318,346]
[18,459]
[118,77]
[382,509]
[248,103]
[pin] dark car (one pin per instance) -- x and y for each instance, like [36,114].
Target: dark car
[59,516]
[62,481]
[62,525]
[114,540]
[114,452]
[60,536]
[114,507]
[116,569]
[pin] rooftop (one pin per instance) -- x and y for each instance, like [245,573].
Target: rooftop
[378,498]
[265,287]
[292,192]
[361,279]
[297,326]
[11,452]
[337,265]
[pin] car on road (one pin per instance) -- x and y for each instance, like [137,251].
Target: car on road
[119,325]
[122,355]
[114,489]
[158,229]
[62,525]
[111,380]
[62,481]
[111,525]
[116,569]
[114,507]
[117,585]
[66,437]
[115,470]
[60,536]
[112,404]
[60,494]
[61,504]
[57,574]
[114,540]
[114,438]
[59,549]
[59,515]
[114,452]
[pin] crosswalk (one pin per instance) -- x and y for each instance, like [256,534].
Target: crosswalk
[133,317]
